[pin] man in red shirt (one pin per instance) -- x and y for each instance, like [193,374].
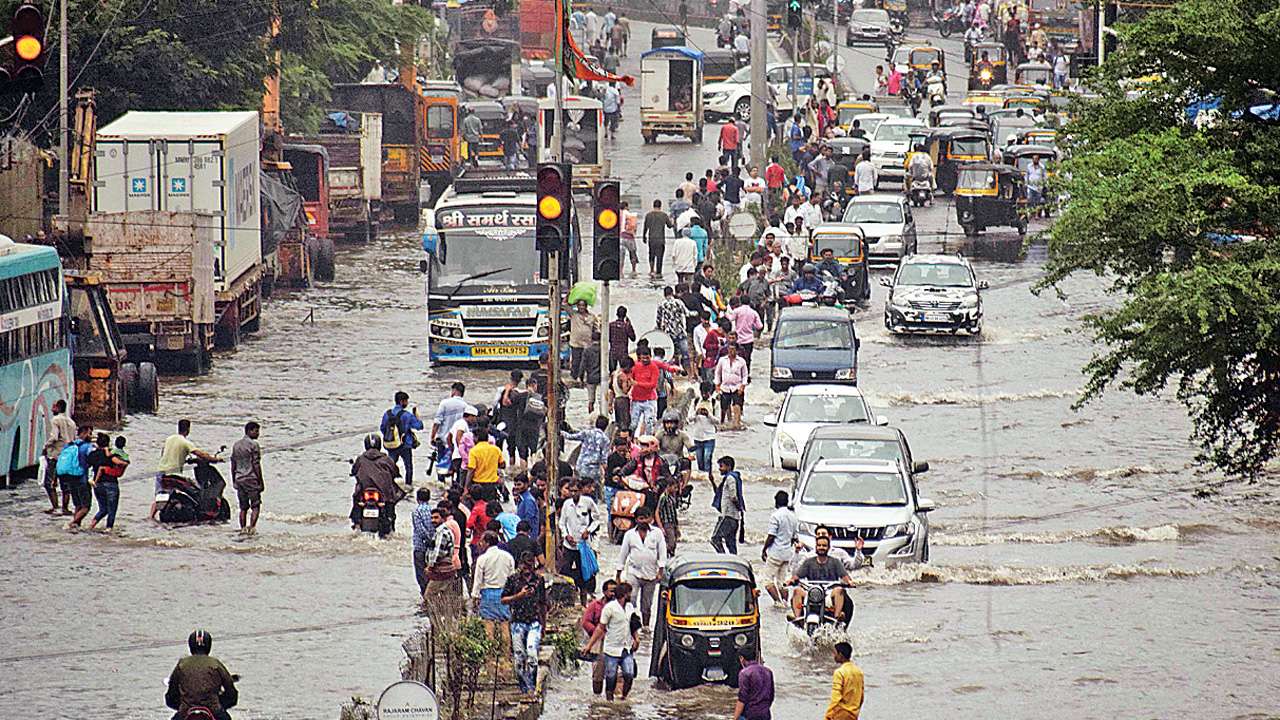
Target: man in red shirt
[729,144]
[644,390]
[775,176]
[591,618]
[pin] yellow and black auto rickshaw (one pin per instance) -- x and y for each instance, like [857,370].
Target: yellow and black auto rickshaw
[922,58]
[952,149]
[848,246]
[493,118]
[849,109]
[989,195]
[993,71]
[1036,74]
[718,64]
[708,609]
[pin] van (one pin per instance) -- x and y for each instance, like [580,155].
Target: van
[813,345]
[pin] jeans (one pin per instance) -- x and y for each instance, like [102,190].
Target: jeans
[420,569]
[108,493]
[609,492]
[645,411]
[526,641]
[725,536]
[704,451]
[404,453]
[625,663]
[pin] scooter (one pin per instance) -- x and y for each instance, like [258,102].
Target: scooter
[921,192]
[937,92]
[818,612]
[626,503]
[199,500]
[371,509]
[950,21]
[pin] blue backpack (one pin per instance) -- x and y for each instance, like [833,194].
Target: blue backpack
[69,460]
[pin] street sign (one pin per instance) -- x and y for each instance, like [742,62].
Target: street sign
[408,700]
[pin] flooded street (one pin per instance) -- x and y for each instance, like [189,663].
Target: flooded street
[1072,573]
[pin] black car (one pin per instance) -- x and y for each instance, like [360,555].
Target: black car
[870,26]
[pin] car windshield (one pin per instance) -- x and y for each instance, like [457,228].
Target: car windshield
[866,212]
[813,334]
[869,17]
[825,409]
[868,122]
[854,488]
[708,598]
[893,132]
[935,274]
[838,449]
[743,75]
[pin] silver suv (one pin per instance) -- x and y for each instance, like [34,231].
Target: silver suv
[875,500]
[934,294]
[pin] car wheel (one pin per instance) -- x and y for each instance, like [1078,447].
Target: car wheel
[743,109]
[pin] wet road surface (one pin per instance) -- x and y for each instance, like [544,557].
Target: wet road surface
[1066,579]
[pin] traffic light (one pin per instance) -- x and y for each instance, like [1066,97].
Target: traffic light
[555,205]
[24,72]
[607,252]
[793,14]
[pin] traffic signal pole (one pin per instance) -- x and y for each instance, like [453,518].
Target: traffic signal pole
[551,456]
[759,86]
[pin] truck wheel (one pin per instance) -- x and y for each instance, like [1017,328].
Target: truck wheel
[129,384]
[148,393]
[322,259]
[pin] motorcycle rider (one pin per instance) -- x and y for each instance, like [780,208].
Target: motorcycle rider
[920,167]
[936,83]
[972,37]
[820,568]
[201,681]
[808,281]
[985,70]
[374,468]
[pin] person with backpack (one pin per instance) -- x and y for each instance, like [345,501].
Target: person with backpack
[107,487]
[73,468]
[62,430]
[532,418]
[398,437]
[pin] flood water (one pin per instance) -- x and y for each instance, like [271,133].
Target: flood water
[1071,576]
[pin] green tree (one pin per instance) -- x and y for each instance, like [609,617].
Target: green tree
[1180,218]
[214,54]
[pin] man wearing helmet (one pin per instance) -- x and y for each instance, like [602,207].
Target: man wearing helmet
[201,681]
[808,280]
[374,468]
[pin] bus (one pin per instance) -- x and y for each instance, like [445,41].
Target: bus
[486,286]
[35,354]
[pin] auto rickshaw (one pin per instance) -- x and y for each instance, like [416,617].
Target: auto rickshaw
[937,112]
[671,93]
[666,37]
[849,247]
[999,70]
[983,99]
[921,60]
[952,149]
[492,119]
[1019,156]
[1038,136]
[718,64]
[1037,74]
[708,609]
[988,195]
[1033,103]
[849,109]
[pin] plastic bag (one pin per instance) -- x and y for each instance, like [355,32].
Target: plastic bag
[583,290]
[590,566]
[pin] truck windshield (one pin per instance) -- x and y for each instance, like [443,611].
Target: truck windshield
[707,598]
[477,240]
[440,121]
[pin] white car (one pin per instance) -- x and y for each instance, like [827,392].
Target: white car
[807,407]
[865,498]
[889,147]
[732,97]
[887,224]
[934,294]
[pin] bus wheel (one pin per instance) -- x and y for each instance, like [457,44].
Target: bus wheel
[129,384]
[148,388]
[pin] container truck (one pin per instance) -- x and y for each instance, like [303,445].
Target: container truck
[194,163]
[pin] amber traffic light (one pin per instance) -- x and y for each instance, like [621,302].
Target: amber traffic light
[555,198]
[606,210]
[23,68]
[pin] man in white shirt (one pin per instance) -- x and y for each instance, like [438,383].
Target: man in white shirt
[779,546]
[592,25]
[619,628]
[864,175]
[731,382]
[794,210]
[684,257]
[812,212]
[685,219]
[492,569]
[642,558]
[753,188]
[579,521]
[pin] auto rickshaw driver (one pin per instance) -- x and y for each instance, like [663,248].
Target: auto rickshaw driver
[829,263]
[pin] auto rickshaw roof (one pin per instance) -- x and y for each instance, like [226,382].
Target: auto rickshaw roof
[1034,66]
[999,168]
[691,53]
[857,105]
[667,32]
[937,53]
[844,143]
[486,108]
[709,566]
[959,133]
[1017,151]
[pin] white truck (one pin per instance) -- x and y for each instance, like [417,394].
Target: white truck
[195,163]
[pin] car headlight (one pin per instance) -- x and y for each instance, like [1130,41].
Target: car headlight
[686,640]
[890,240]
[807,528]
[787,443]
[544,331]
[891,531]
[899,305]
[969,301]
[847,374]
[740,639]
[782,373]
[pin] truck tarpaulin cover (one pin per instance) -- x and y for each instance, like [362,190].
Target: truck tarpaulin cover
[483,67]
[280,208]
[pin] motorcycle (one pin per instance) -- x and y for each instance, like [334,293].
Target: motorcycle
[949,22]
[372,509]
[194,500]
[683,468]
[818,612]
[921,192]
[626,503]
[937,93]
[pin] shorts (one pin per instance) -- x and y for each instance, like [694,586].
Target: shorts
[626,664]
[682,348]
[249,499]
[491,607]
[731,398]
[78,488]
[776,572]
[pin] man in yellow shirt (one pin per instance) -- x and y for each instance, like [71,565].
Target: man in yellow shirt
[482,466]
[846,686]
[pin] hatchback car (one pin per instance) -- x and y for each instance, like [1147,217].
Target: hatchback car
[813,345]
[808,407]
[732,97]
[934,293]
[871,499]
[887,224]
[889,147]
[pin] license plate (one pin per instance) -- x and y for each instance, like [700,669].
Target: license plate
[371,512]
[937,317]
[162,497]
[500,351]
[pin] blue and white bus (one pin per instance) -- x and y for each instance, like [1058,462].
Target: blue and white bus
[35,357]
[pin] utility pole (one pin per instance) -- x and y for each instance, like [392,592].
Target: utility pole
[759,83]
[795,52]
[813,49]
[835,42]
[64,152]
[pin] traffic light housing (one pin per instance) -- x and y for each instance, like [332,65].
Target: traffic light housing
[793,14]
[606,211]
[23,67]
[555,206]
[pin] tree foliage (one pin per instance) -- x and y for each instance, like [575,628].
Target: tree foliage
[1152,197]
[214,54]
